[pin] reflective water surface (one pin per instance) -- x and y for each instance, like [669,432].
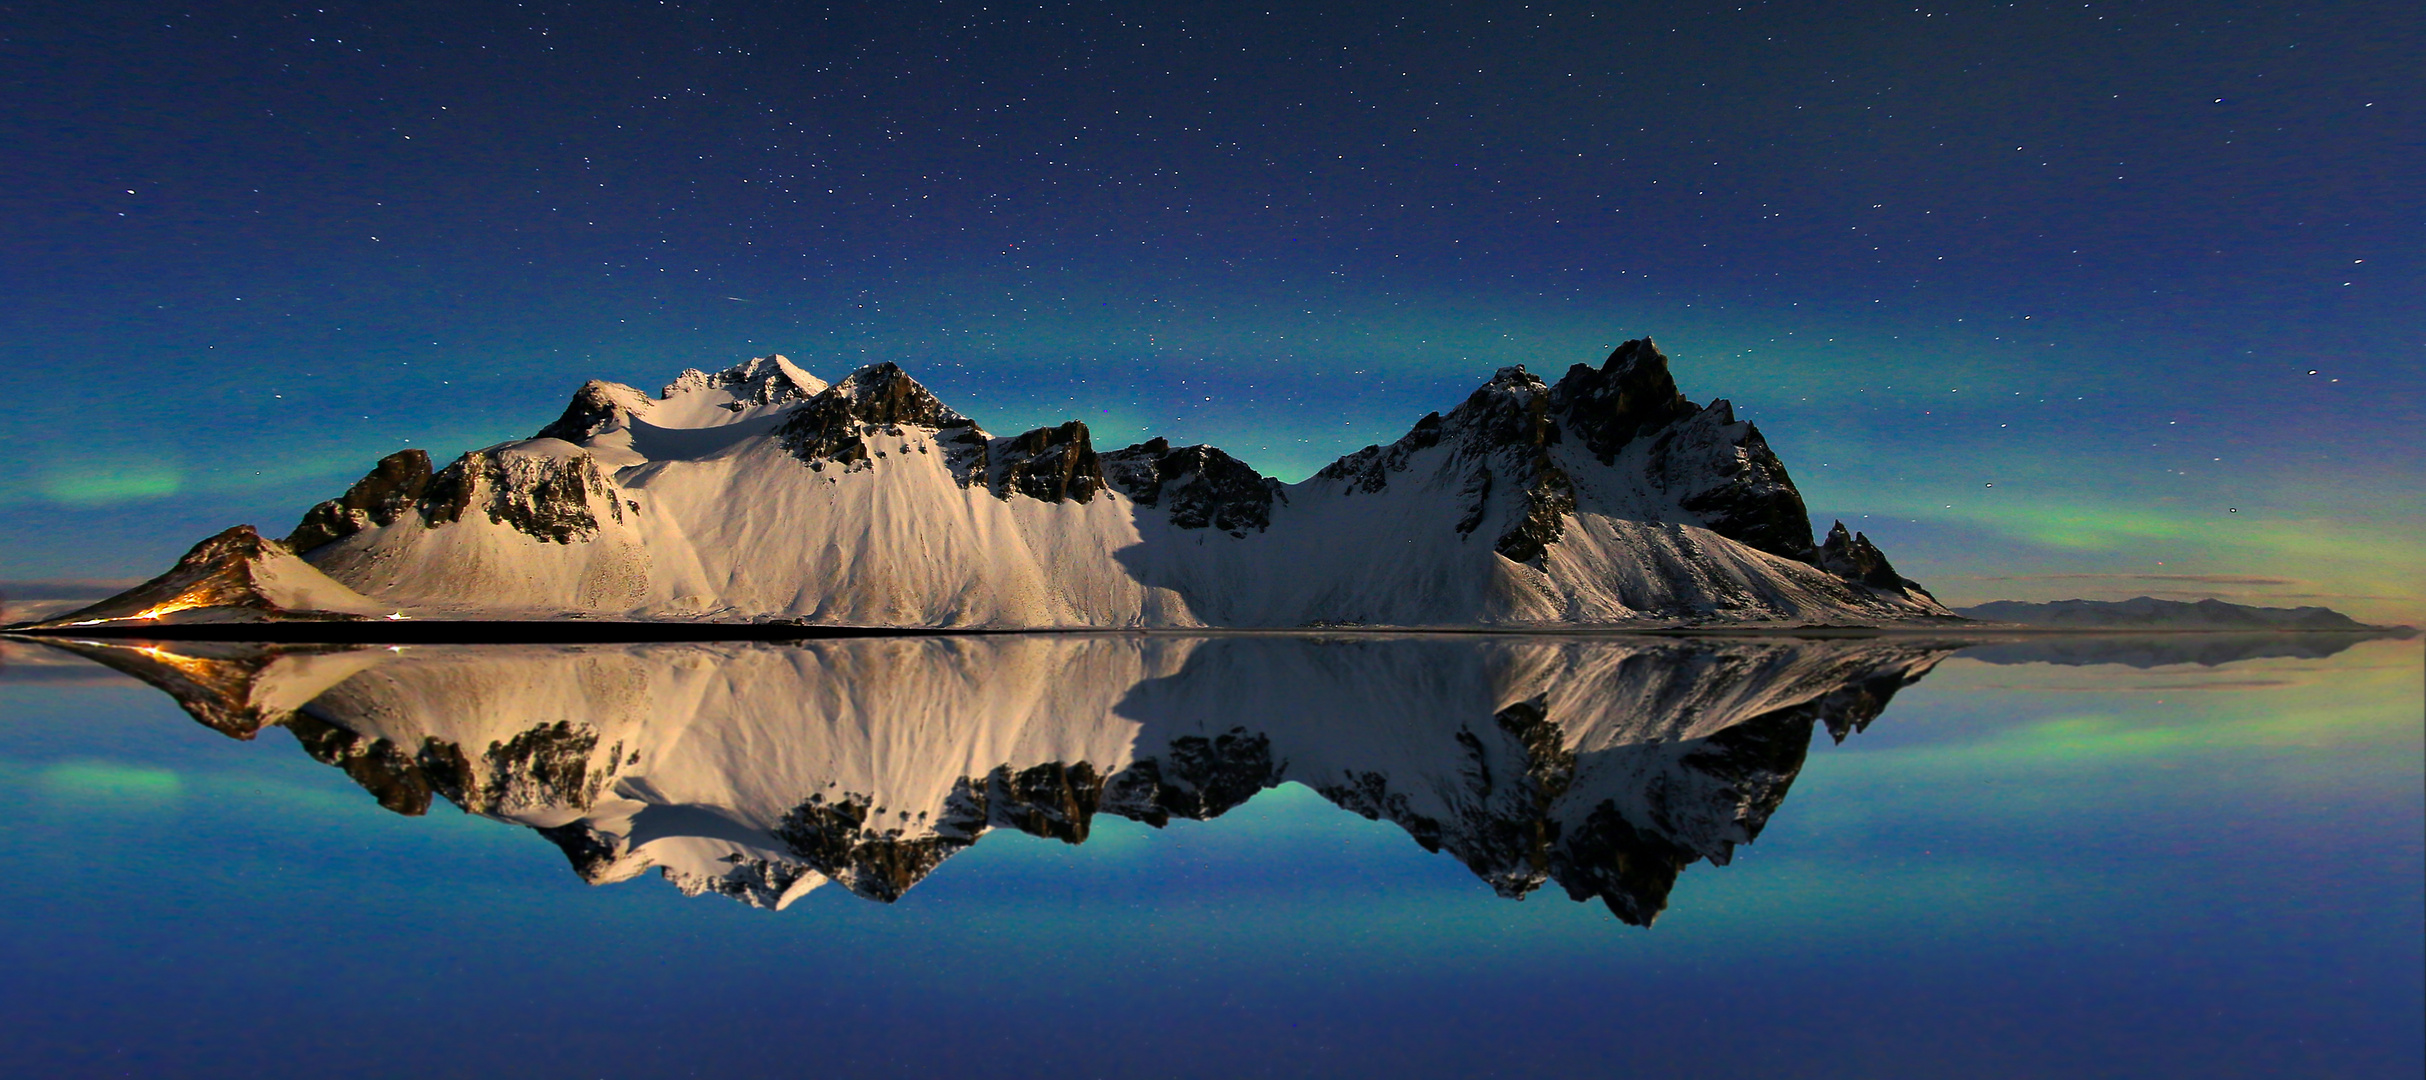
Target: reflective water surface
[1159,855]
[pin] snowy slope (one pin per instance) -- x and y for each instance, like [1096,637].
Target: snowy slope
[764,771]
[763,493]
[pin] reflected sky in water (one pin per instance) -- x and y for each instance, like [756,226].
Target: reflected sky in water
[2020,868]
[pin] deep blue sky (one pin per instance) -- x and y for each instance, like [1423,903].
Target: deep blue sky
[2088,254]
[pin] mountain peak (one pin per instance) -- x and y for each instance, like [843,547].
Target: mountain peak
[1630,394]
[762,380]
[235,576]
[834,424]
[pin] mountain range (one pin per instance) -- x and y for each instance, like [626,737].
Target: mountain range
[764,494]
[2149,613]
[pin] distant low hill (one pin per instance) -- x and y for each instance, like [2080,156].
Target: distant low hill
[2149,613]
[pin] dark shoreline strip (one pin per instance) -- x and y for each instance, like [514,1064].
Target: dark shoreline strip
[478,632]
[584,632]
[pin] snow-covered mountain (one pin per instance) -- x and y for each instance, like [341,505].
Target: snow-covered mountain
[762,493]
[763,771]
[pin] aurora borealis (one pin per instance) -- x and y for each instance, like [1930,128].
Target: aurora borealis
[2051,299]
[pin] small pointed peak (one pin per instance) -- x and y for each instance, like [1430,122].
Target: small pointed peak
[777,371]
[1513,377]
[876,374]
[1635,354]
[595,408]
[882,393]
[831,426]
[237,575]
[1854,558]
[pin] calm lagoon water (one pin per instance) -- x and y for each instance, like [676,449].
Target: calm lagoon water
[2108,858]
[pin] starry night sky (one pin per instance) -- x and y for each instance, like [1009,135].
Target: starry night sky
[2153,271]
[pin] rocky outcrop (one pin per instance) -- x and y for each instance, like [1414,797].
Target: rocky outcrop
[557,499]
[1853,557]
[595,407]
[382,497]
[1725,474]
[1199,487]
[1719,472]
[834,426]
[1499,439]
[1197,778]
[1051,464]
[849,840]
[1629,396]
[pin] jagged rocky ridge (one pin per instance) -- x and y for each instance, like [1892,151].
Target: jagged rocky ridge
[762,493]
[762,772]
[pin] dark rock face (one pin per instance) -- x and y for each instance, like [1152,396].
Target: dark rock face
[850,841]
[1196,778]
[1722,473]
[1369,469]
[1854,558]
[846,840]
[547,766]
[1736,485]
[1629,870]
[594,408]
[378,766]
[863,847]
[545,497]
[591,852]
[1630,395]
[381,497]
[1200,486]
[1501,437]
[1052,800]
[1548,501]
[833,426]
[1052,464]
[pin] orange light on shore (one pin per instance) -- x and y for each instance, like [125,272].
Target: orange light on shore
[170,608]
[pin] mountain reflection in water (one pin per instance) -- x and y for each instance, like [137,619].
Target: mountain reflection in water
[763,771]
